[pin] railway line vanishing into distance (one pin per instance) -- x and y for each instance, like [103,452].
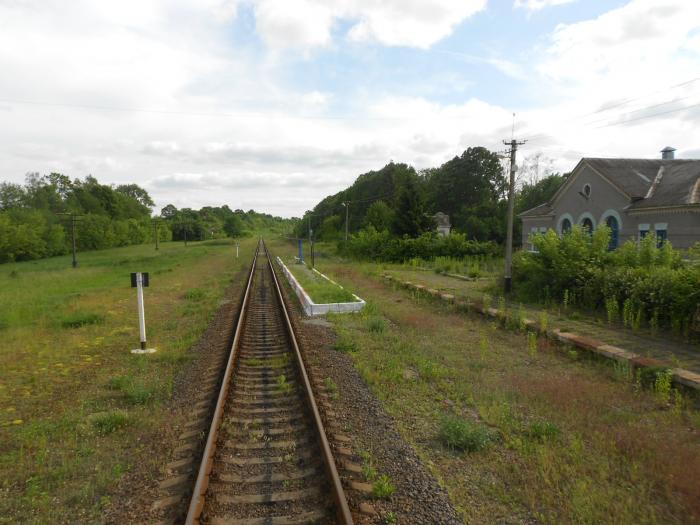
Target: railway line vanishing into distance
[266,460]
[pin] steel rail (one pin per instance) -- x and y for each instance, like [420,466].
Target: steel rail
[342,510]
[197,502]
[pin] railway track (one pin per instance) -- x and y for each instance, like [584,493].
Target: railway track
[266,460]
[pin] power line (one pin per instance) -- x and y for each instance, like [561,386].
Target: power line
[649,116]
[634,99]
[238,114]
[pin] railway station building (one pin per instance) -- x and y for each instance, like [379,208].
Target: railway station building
[633,197]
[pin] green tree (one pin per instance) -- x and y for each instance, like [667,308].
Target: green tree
[233,226]
[168,212]
[137,193]
[410,218]
[11,195]
[380,216]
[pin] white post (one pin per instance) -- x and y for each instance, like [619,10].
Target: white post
[237,250]
[142,314]
[142,318]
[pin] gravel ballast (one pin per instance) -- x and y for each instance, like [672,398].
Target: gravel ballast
[418,499]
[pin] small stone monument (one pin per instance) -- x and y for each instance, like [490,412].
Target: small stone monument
[442,220]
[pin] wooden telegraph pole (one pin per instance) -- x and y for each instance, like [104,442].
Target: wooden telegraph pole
[155,230]
[74,218]
[508,281]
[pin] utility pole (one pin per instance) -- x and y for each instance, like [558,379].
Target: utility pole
[155,230]
[347,210]
[72,223]
[311,242]
[508,281]
[73,219]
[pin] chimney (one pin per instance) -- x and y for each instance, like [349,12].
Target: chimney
[667,153]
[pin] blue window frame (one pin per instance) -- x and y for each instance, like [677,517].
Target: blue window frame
[661,236]
[587,224]
[565,226]
[614,226]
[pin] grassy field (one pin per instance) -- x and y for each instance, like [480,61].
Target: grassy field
[73,400]
[319,289]
[515,429]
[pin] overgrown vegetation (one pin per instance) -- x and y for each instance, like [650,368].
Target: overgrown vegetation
[383,246]
[321,290]
[645,284]
[561,452]
[465,435]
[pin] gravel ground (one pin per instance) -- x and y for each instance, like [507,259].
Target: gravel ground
[132,499]
[418,499]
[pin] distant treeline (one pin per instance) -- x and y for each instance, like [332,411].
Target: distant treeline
[214,222]
[35,218]
[471,188]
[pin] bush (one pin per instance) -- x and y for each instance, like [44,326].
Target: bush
[464,435]
[376,325]
[651,284]
[382,246]
[383,488]
[110,422]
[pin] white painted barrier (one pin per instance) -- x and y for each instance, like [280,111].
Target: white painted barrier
[311,308]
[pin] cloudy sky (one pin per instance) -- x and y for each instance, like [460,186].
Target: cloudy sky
[274,104]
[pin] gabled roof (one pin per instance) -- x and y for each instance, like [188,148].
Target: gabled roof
[678,186]
[632,176]
[647,183]
[538,211]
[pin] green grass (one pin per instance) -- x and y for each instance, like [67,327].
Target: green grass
[110,422]
[78,319]
[382,488]
[73,400]
[574,440]
[319,289]
[464,435]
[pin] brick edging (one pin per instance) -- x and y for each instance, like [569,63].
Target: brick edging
[680,376]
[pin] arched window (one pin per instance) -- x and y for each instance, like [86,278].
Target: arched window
[614,232]
[565,226]
[587,224]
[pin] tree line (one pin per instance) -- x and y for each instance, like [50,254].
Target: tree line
[36,218]
[471,188]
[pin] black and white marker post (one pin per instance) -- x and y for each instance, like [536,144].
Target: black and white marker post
[237,245]
[138,281]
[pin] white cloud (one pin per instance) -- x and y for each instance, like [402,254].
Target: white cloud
[309,23]
[536,5]
[225,123]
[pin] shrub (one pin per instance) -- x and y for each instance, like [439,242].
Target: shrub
[376,325]
[345,345]
[382,246]
[638,283]
[382,488]
[110,422]
[543,430]
[464,435]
